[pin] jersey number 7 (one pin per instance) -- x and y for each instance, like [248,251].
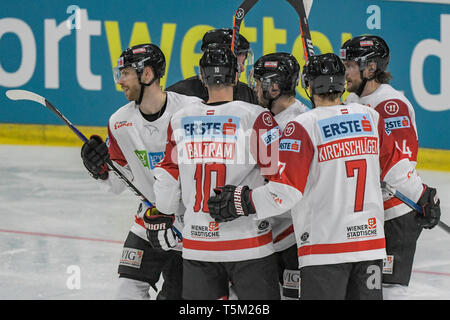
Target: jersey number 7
[202,177]
[360,166]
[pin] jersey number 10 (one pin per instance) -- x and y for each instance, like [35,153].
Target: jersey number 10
[202,176]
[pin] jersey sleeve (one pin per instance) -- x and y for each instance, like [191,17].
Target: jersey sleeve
[114,184]
[400,124]
[167,183]
[264,141]
[396,168]
[286,188]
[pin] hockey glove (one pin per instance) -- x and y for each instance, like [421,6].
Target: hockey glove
[159,229]
[429,202]
[94,153]
[230,202]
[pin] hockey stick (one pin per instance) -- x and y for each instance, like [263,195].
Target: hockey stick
[308,48]
[395,193]
[31,96]
[238,17]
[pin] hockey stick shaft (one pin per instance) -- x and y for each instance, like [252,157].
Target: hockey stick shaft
[238,18]
[308,48]
[397,194]
[28,95]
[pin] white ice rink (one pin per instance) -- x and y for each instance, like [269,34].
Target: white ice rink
[56,224]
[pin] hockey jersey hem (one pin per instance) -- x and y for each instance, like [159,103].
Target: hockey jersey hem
[228,250]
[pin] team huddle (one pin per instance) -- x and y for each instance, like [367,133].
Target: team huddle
[254,196]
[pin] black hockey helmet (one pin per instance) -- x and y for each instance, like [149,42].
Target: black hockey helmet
[224,36]
[324,73]
[138,57]
[281,68]
[218,65]
[142,55]
[363,49]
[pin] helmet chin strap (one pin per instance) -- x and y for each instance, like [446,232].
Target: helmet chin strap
[143,85]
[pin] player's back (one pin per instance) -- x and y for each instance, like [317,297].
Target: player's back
[216,145]
[340,218]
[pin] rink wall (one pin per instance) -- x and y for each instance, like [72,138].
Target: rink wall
[65,51]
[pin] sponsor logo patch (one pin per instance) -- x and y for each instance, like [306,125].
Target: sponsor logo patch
[131,257]
[271,136]
[205,232]
[344,126]
[366,230]
[290,145]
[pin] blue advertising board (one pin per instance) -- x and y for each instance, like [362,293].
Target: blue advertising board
[65,50]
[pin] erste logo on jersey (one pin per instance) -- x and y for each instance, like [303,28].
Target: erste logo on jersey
[290,145]
[210,137]
[210,126]
[346,125]
[396,123]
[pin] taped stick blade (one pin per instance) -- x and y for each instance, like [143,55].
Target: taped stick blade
[25,95]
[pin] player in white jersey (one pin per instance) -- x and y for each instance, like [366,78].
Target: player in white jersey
[366,59]
[329,176]
[136,143]
[211,144]
[275,77]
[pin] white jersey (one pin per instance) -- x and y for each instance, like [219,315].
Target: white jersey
[282,228]
[217,145]
[331,162]
[137,145]
[400,120]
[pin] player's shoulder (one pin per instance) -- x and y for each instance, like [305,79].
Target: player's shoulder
[124,111]
[177,98]
[390,102]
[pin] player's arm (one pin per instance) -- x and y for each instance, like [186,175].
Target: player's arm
[397,171]
[401,124]
[287,187]
[167,185]
[284,190]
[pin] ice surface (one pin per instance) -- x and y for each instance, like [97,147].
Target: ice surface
[54,217]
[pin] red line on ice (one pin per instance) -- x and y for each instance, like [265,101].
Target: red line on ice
[58,236]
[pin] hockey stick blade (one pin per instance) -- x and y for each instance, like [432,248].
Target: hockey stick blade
[31,96]
[395,193]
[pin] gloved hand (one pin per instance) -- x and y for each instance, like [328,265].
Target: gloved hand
[429,202]
[94,153]
[159,229]
[230,202]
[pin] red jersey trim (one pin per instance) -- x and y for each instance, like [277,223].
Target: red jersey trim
[228,244]
[393,202]
[342,247]
[284,234]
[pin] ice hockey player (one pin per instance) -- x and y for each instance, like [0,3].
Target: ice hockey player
[366,59]
[193,86]
[136,143]
[275,77]
[211,144]
[329,177]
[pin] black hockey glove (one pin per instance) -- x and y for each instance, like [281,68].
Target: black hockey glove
[429,202]
[94,153]
[230,202]
[159,229]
